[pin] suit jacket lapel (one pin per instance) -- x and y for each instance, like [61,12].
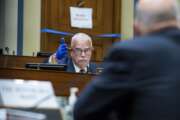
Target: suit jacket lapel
[70,66]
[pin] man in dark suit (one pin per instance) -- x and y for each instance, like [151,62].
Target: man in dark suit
[80,54]
[141,78]
[90,68]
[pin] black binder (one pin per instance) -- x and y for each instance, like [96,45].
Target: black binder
[46,66]
[44,54]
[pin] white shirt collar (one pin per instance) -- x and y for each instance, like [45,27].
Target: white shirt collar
[77,69]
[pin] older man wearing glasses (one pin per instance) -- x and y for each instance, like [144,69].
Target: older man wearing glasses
[80,54]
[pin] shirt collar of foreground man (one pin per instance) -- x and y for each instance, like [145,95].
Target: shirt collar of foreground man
[141,79]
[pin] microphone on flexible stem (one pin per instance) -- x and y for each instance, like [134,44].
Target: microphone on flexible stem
[7,50]
[89,71]
[13,52]
[41,101]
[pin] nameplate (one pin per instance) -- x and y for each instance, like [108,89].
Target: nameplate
[27,93]
[12,114]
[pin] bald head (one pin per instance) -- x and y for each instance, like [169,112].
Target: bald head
[152,14]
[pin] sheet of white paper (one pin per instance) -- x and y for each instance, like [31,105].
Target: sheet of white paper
[81,17]
[20,93]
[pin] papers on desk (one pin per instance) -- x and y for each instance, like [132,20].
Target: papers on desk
[12,114]
[27,94]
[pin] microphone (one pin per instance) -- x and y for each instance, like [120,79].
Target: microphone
[41,101]
[7,50]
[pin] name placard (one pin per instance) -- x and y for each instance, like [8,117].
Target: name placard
[27,93]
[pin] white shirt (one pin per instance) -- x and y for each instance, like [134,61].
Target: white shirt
[77,69]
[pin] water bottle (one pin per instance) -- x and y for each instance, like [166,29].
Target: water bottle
[71,102]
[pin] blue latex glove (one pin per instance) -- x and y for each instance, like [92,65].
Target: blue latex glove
[62,50]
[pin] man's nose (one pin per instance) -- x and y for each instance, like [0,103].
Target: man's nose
[83,53]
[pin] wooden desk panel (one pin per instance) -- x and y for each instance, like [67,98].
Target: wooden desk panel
[61,81]
[11,61]
[18,61]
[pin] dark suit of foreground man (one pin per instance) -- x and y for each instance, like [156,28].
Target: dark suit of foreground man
[141,79]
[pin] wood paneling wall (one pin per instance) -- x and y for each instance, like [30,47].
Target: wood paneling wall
[56,15]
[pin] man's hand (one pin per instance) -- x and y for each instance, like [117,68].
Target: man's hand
[62,50]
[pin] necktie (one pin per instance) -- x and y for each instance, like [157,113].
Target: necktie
[82,71]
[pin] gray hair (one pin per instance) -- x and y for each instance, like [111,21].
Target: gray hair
[81,36]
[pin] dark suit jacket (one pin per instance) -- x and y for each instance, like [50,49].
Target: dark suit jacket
[141,81]
[70,67]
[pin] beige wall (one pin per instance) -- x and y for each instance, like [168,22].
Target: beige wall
[11,25]
[32,22]
[127,19]
[2,23]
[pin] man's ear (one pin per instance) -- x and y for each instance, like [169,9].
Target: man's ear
[70,53]
[137,30]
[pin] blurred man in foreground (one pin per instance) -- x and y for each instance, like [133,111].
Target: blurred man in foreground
[80,54]
[141,78]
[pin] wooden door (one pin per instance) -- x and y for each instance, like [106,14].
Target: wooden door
[56,15]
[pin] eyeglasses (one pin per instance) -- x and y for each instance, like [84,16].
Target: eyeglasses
[79,51]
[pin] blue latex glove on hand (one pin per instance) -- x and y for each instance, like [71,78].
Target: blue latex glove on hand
[62,50]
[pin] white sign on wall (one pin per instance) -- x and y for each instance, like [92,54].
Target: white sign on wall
[81,17]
